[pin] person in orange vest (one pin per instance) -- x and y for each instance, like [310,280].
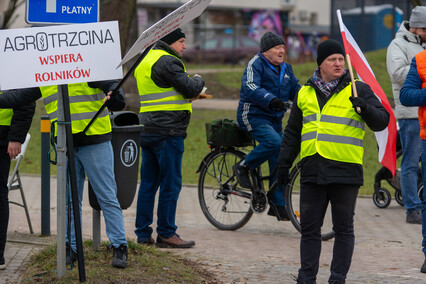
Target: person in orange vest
[408,41]
[413,93]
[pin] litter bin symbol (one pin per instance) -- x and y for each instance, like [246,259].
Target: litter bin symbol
[128,153]
[125,143]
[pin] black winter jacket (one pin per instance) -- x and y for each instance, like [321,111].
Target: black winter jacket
[21,123]
[168,72]
[319,170]
[19,97]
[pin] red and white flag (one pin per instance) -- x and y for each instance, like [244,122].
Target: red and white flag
[386,139]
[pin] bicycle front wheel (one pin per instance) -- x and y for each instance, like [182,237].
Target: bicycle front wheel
[223,201]
[292,198]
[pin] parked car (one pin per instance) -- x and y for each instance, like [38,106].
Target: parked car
[221,49]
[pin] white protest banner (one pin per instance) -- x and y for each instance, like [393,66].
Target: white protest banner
[55,55]
[182,15]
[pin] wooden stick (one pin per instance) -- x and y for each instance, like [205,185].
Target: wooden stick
[354,92]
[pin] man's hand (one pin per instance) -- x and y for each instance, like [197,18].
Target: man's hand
[358,102]
[282,176]
[13,149]
[276,104]
[200,97]
[108,96]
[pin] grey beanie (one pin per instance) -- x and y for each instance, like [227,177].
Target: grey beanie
[269,40]
[418,17]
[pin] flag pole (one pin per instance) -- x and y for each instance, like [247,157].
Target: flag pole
[354,93]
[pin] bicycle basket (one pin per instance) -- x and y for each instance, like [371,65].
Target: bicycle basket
[226,132]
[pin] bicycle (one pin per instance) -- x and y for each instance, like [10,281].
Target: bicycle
[229,206]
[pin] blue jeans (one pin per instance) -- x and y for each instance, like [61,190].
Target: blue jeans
[268,149]
[409,132]
[97,161]
[314,200]
[161,169]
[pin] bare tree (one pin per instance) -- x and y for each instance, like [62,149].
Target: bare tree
[9,16]
[124,11]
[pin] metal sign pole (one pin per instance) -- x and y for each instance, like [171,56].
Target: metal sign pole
[61,184]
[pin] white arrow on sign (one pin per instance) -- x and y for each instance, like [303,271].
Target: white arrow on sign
[182,15]
[50,6]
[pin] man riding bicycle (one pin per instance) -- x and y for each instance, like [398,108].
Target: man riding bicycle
[267,83]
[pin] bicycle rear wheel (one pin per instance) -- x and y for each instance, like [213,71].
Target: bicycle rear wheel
[223,201]
[292,194]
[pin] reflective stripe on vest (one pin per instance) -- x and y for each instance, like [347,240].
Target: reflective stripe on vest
[84,103]
[336,132]
[5,115]
[152,97]
[421,70]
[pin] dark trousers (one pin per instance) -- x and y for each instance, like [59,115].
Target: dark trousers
[4,199]
[314,200]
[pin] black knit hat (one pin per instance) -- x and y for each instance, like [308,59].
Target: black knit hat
[269,40]
[327,48]
[174,36]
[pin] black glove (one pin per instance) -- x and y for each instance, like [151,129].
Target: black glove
[276,104]
[282,176]
[358,102]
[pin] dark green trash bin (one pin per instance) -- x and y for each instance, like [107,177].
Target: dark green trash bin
[125,143]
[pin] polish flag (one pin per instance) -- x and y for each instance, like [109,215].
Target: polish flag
[386,139]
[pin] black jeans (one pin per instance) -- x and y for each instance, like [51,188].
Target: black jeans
[4,199]
[314,200]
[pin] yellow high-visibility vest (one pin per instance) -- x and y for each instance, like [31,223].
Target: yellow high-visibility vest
[152,97]
[84,103]
[5,115]
[336,132]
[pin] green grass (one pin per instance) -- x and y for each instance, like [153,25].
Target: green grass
[146,264]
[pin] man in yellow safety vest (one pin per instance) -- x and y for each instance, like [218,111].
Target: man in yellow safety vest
[327,130]
[165,91]
[93,152]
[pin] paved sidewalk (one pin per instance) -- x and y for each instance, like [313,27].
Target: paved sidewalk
[264,251]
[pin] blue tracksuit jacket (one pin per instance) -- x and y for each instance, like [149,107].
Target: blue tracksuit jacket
[260,83]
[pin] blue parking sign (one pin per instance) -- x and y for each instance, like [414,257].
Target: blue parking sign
[62,11]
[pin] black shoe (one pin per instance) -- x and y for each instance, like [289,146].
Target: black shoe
[120,256]
[242,174]
[423,269]
[71,256]
[2,263]
[282,212]
[148,242]
[414,217]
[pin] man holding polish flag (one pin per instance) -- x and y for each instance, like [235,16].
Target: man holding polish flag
[386,139]
[326,128]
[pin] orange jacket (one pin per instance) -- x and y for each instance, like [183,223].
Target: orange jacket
[421,69]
